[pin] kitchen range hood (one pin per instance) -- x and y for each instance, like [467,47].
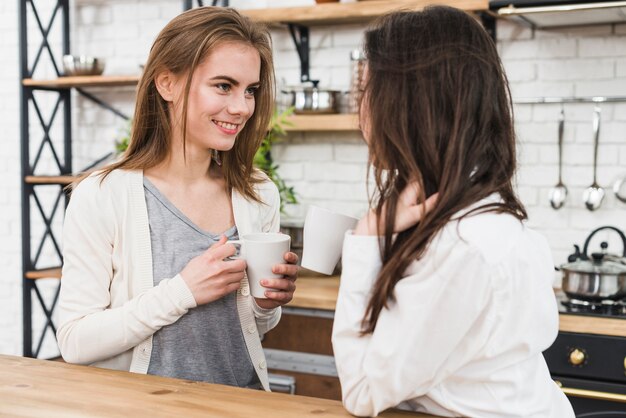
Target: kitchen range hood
[554,13]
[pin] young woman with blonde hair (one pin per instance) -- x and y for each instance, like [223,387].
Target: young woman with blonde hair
[147,284]
[445,303]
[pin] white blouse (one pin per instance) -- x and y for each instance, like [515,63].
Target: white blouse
[465,334]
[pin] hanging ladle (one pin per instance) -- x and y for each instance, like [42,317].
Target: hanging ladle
[594,194]
[558,194]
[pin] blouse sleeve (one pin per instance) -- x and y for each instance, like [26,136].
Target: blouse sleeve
[417,340]
[90,329]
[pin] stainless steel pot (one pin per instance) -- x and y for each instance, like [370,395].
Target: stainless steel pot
[310,99]
[603,277]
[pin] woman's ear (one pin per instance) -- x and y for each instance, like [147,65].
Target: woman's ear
[166,84]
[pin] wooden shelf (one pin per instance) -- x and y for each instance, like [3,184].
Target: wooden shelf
[84,81]
[54,273]
[63,180]
[335,122]
[364,11]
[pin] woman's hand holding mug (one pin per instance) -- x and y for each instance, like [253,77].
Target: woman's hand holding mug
[211,275]
[280,290]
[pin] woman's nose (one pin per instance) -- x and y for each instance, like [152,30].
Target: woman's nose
[240,105]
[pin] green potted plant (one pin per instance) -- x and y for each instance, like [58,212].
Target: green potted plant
[263,157]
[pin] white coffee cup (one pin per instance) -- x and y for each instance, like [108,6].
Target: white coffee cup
[323,238]
[262,251]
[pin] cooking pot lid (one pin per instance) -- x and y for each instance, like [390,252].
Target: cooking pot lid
[597,267]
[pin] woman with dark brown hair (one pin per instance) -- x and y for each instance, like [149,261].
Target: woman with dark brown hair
[147,283]
[445,303]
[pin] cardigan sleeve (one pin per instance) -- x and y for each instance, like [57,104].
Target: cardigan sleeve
[427,333]
[90,329]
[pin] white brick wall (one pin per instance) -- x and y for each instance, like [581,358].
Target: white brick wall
[328,168]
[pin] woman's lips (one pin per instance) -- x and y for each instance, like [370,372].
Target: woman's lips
[227,127]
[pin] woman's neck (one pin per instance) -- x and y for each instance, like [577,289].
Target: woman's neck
[183,168]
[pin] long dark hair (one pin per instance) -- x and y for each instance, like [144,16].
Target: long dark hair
[439,112]
[180,47]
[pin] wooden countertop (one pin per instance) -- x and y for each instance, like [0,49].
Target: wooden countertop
[320,292]
[36,388]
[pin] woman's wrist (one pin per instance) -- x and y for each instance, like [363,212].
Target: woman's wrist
[367,225]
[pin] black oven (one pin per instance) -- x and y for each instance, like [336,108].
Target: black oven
[591,370]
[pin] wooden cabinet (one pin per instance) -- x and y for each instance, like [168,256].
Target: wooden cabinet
[300,347]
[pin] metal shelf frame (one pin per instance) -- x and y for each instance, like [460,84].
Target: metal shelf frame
[62,161]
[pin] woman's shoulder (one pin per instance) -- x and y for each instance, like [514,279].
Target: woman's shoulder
[495,235]
[100,181]
[265,187]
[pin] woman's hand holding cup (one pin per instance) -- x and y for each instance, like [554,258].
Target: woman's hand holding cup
[211,276]
[280,290]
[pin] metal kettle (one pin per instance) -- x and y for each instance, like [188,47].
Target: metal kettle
[601,277]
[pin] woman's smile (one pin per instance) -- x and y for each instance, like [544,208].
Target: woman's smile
[227,127]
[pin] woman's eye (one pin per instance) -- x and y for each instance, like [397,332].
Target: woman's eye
[224,87]
[251,91]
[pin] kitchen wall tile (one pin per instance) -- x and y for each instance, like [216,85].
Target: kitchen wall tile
[528,195]
[348,35]
[527,154]
[510,31]
[319,37]
[620,68]
[536,132]
[574,31]
[548,154]
[302,152]
[542,89]
[538,48]
[602,46]
[126,12]
[576,69]
[614,87]
[291,171]
[521,71]
[522,112]
[94,14]
[351,153]
[535,175]
[539,217]
[334,171]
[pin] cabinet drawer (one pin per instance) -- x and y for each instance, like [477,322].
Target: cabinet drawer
[301,332]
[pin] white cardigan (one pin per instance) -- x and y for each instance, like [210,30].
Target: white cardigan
[466,333]
[108,307]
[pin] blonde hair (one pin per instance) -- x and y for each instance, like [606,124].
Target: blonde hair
[180,47]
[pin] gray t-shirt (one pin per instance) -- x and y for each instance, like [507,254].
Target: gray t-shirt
[207,343]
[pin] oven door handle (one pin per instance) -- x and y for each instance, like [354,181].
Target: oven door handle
[591,394]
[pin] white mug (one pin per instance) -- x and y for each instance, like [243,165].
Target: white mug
[262,251]
[323,238]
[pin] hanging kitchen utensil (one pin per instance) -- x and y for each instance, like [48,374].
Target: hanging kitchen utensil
[594,194]
[558,194]
[603,277]
[619,189]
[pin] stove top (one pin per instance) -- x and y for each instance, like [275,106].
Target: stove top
[605,308]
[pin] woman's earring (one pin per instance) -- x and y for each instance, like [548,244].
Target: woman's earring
[216,157]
